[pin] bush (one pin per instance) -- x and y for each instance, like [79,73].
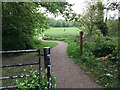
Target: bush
[104,71]
[102,46]
[57,39]
[73,48]
[106,48]
[35,81]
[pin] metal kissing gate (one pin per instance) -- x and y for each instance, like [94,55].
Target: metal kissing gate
[47,64]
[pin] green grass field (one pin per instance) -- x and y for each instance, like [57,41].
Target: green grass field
[60,33]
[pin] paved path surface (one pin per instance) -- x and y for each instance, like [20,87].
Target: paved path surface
[68,74]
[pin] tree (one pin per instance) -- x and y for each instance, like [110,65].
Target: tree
[113,27]
[112,22]
[20,20]
[101,25]
[87,19]
[93,18]
[60,23]
[111,6]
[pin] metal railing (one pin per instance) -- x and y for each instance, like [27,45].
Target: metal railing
[47,63]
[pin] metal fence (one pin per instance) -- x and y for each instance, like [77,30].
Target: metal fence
[47,64]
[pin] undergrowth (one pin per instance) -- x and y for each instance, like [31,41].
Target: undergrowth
[37,82]
[102,65]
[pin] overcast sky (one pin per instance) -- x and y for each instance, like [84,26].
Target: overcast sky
[79,6]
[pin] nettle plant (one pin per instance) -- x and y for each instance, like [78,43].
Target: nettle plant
[36,82]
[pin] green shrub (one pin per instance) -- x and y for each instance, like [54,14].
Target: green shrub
[105,49]
[57,39]
[35,81]
[102,45]
[105,72]
[73,48]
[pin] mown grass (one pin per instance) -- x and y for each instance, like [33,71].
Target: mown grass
[60,33]
[41,44]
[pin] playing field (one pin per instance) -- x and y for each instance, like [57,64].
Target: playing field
[62,32]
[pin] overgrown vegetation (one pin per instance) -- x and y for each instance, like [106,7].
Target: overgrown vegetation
[100,55]
[21,19]
[100,59]
[36,82]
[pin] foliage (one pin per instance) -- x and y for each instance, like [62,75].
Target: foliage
[35,81]
[20,21]
[71,49]
[60,23]
[105,72]
[92,18]
[87,19]
[102,46]
[111,6]
[100,19]
[57,8]
[112,27]
[56,39]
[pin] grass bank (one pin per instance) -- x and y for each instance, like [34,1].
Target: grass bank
[41,44]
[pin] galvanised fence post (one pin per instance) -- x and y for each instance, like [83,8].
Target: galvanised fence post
[46,53]
[47,61]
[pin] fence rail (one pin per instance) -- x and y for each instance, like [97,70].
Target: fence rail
[47,63]
[14,77]
[4,66]
[19,51]
[8,87]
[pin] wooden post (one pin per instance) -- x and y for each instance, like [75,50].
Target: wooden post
[81,43]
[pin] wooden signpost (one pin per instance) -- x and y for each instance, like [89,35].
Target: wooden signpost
[81,43]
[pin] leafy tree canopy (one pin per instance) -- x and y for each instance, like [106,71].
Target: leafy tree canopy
[20,20]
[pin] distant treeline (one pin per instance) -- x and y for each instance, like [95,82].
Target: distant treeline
[61,23]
